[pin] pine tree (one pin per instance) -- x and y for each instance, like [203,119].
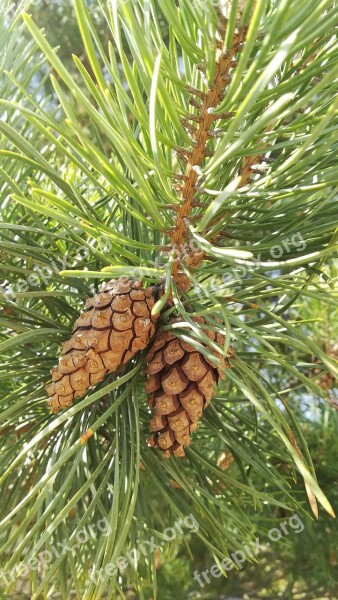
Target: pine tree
[194,153]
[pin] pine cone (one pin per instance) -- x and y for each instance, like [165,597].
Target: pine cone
[116,323]
[181,384]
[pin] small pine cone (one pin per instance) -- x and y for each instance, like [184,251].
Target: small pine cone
[181,382]
[116,323]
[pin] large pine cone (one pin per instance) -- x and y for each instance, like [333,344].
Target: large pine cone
[116,323]
[181,384]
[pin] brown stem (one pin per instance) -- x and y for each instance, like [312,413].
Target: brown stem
[244,175]
[203,123]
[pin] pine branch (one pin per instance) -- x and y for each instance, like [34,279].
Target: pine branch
[90,169]
[243,178]
[201,131]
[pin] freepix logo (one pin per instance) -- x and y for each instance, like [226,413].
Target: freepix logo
[44,275]
[46,557]
[145,548]
[249,551]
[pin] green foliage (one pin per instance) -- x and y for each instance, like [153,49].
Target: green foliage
[86,193]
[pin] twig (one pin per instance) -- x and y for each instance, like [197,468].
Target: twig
[244,175]
[201,131]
